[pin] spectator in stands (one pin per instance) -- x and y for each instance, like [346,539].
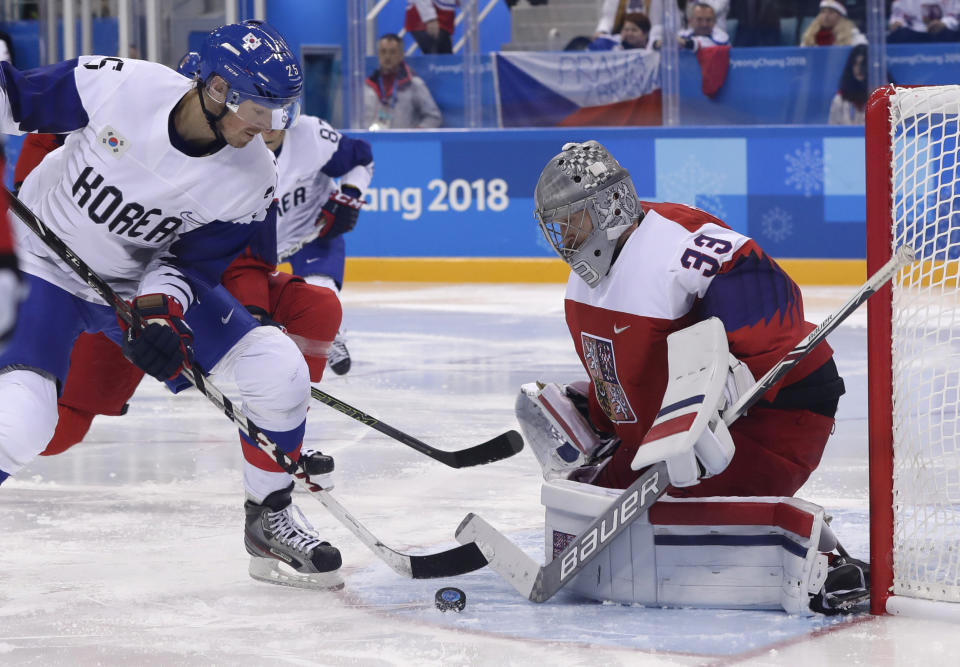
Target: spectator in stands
[612,13]
[394,96]
[849,104]
[430,23]
[634,34]
[831,27]
[758,22]
[924,21]
[702,30]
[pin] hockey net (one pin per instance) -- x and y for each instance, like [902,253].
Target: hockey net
[913,197]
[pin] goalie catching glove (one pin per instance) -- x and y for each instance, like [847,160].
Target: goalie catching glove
[689,432]
[164,345]
[556,425]
[339,215]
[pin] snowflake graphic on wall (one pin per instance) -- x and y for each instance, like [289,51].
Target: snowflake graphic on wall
[688,184]
[805,169]
[777,224]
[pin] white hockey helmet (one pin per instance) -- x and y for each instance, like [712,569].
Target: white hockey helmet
[585,177]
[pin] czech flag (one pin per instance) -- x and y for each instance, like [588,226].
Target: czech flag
[578,88]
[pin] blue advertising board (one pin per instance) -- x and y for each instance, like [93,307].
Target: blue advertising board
[799,191]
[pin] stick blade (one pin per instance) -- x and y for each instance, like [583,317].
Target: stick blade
[501,447]
[450,563]
[503,556]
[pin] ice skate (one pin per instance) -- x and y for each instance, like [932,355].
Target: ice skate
[339,356]
[285,549]
[318,467]
[847,586]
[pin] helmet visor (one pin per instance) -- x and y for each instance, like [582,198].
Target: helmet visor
[267,113]
[264,113]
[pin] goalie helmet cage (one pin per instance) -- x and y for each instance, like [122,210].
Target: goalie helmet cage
[913,197]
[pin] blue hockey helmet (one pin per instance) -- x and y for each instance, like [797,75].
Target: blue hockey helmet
[261,71]
[189,65]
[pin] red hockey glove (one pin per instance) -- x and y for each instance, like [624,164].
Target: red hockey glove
[165,344]
[340,213]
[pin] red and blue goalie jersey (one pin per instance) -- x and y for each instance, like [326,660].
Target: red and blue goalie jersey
[680,266]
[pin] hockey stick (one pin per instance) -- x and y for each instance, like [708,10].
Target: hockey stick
[459,560]
[501,447]
[298,246]
[540,582]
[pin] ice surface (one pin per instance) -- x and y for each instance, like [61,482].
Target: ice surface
[129,550]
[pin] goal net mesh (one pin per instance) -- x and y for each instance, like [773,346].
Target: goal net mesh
[925,340]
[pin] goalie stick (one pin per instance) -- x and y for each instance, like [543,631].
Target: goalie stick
[458,560]
[539,583]
[501,447]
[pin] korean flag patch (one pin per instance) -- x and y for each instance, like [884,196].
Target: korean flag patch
[250,42]
[113,142]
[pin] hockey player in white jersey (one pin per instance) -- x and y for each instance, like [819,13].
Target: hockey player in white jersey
[159,185]
[314,211]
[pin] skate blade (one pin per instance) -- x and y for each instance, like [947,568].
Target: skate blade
[273,571]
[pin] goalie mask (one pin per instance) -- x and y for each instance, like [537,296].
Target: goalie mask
[584,202]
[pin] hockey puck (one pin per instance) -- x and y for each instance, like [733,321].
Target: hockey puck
[450,598]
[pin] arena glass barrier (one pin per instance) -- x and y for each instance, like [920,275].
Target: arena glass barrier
[762,86]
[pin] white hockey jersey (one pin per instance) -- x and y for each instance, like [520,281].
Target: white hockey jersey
[143,214]
[312,156]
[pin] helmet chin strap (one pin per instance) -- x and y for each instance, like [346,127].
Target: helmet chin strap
[212,119]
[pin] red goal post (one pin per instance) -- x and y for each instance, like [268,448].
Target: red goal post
[913,197]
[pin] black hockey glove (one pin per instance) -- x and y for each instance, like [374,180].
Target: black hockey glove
[339,215]
[165,344]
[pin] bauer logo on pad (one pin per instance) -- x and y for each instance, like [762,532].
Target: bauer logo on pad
[110,139]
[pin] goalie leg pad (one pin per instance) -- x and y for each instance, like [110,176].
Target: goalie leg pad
[559,435]
[728,553]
